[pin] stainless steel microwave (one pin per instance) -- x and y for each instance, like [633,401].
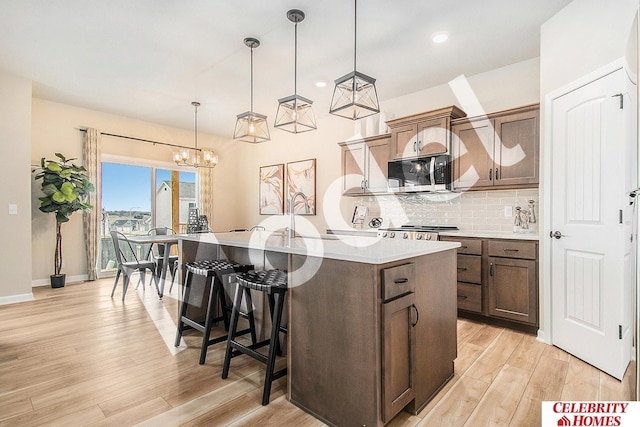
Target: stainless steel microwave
[420,174]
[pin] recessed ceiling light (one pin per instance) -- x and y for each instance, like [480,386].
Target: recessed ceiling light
[321,83]
[440,37]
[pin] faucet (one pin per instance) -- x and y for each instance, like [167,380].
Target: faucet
[292,222]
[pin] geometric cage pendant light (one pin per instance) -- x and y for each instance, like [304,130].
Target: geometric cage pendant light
[250,126]
[355,93]
[295,114]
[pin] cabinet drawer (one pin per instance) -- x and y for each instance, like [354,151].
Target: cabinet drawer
[513,249]
[467,246]
[469,297]
[397,281]
[469,268]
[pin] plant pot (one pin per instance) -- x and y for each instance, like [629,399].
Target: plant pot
[57,280]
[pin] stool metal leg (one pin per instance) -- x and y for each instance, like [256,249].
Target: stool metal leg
[183,308]
[252,321]
[237,301]
[213,284]
[223,302]
[276,316]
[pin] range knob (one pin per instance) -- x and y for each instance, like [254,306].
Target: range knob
[392,234]
[428,237]
[384,234]
[405,236]
[419,237]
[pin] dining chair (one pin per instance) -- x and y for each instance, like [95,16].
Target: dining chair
[128,263]
[156,254]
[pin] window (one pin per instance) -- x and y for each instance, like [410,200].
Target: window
[138,198]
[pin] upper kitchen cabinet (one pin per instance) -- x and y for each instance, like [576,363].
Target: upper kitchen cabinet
[424,134]
[497,151]
[364,165]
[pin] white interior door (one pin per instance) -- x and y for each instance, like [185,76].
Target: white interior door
[589,262]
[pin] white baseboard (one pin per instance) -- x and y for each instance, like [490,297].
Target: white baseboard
[70,279]
[12,299]
[542,338]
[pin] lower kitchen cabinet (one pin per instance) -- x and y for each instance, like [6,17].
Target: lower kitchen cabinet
[398,338]
[513,290]
[498,278]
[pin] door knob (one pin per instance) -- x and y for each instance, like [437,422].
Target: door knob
[556,234]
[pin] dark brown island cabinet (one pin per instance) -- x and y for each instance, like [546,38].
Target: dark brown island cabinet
[372,340]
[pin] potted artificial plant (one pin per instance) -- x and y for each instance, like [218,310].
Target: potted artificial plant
[66,189]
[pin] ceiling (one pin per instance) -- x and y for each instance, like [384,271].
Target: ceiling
[148,59]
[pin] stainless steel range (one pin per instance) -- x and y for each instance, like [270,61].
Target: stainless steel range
[415,232]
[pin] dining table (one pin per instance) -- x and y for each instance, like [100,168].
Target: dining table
[168,241]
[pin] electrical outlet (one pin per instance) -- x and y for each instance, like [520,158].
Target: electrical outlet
[508,211]
[13,209]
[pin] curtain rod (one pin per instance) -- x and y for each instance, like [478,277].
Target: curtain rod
[144,140]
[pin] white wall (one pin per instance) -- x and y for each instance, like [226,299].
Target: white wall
[15,176]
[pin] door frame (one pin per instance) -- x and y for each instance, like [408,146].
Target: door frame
[545,332]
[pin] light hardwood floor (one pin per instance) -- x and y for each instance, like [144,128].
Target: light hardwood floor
[76,357]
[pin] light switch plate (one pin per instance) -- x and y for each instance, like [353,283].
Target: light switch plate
[508,211]
[13,209]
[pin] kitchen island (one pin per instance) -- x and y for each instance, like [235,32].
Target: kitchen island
[372,322]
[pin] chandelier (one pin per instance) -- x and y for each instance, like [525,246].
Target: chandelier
[200,158]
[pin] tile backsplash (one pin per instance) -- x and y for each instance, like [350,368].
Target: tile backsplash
[470,211]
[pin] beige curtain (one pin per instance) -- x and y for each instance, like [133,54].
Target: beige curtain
[205,193]
[91,220]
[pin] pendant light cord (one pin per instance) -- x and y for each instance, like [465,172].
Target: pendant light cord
[252,78]
[196,125]
[295,60]
[355,32]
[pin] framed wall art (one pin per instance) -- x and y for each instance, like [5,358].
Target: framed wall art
[272,190]
[301,176]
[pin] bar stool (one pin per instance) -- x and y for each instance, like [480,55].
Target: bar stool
[213,271]
[274,284]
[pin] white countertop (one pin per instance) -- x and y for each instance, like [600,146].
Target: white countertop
[368,250]
[492,234]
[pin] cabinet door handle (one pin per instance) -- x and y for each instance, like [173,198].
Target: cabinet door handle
[419,146]
[491,269]
[414,147]
[399,281]
[497,176]
[462,269]
[417,315]
[490,174]
[362,184]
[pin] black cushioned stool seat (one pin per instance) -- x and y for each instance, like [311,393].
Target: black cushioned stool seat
[213,271]
[274,284]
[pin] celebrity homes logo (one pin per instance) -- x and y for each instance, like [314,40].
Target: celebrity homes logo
[590,414]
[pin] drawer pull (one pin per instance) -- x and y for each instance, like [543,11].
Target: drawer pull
[399,281]
[462,269]
[511,250]
[417,315]
[463,297]
[464,247]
